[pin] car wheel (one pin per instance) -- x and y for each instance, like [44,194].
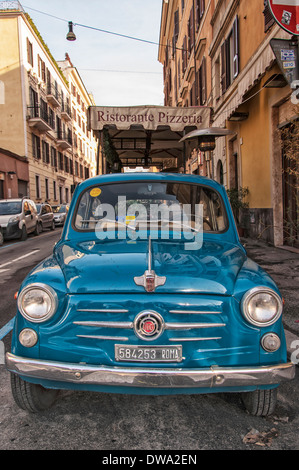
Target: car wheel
[1,238]
[32,397]
[38,229]
[53,225]
[260,402]
[24,233]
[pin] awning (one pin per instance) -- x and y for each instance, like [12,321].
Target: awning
[148,132]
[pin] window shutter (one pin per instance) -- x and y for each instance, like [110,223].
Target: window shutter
[269,19]
[203,81]
[223,67]
[176,25]
[236,47]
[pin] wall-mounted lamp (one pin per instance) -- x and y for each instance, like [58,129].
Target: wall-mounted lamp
[237,116]
[206,141]
[71,35]
[11,174]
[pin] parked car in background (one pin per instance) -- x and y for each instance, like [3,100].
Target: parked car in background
[149,291]
[1,236]
[45,216]
[60,213]
[18,218]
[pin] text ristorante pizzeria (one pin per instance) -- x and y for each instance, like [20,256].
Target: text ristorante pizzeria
[161,118]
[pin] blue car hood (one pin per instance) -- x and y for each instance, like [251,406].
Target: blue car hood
[110,266]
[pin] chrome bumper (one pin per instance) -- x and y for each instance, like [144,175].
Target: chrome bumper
[145,377]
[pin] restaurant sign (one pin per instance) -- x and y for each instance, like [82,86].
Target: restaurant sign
[149,117]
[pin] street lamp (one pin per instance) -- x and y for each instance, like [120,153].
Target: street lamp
[206,138]
[71,35]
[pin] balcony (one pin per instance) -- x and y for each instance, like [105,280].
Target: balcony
[53,96]
[38,119]
[14,5]
[64,140]
[66,112]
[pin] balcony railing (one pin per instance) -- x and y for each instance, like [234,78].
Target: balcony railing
[64,140]
[53,96]
[66,112]
[11,6]
[39,118]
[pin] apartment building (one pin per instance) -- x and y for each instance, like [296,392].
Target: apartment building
[218,53]
[36,116]
[85,143]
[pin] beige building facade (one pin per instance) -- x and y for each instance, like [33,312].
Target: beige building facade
[36,110]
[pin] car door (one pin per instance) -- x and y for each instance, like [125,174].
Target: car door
[28,216]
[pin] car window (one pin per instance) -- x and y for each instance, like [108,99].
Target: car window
[150,202]
[10,207]
[59,209]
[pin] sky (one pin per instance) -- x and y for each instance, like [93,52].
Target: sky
[116,70]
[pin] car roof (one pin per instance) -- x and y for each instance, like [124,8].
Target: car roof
[148,176]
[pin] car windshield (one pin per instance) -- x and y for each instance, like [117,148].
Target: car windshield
[38,207]
[10,207]
[150,205]
[59,209]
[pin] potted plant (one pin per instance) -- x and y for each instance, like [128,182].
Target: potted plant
[237,197]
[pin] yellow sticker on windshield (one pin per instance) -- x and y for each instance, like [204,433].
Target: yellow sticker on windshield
[95,192]
[130,218]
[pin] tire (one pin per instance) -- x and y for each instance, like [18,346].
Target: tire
[38,229]
[260,402]
[24,234]
[1,238]
[32,397]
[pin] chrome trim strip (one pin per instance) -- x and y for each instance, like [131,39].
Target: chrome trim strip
[141,377]
[105,324]
[199,312]
[112,338]
[194,339]
[191,326]
[130,325]
[102,310]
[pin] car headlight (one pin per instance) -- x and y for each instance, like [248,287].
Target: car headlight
[261,306]
[14,219]
[37,302]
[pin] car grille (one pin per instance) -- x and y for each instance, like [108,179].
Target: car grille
[209,328]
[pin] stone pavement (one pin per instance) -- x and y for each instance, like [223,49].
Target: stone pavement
[282,263]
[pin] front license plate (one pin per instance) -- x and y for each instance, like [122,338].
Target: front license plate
[148,354]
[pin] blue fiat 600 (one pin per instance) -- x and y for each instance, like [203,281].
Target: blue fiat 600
[149,291]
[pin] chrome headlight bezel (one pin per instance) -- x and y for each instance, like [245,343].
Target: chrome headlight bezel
[248,297]
[49,291]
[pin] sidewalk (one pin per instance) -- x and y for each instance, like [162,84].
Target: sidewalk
[282,263]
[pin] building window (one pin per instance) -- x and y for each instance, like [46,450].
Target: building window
[191,32]
[66,164]
[37,187]
[36,147]
[66,195]
[29,52]
[46,155]
[230,57]
[202,81]
[269,19]
[47,188]
[53,157]
[54,191]
[60,159]
[199,12]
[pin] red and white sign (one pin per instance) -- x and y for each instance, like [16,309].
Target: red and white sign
[286,13]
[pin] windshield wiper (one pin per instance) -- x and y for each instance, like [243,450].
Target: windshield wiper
[108,220]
